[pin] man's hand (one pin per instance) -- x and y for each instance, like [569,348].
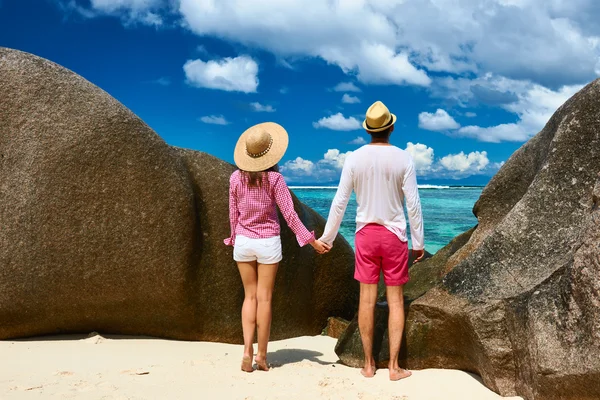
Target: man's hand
[320,247]
[418,255]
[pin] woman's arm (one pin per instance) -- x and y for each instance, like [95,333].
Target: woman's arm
[234,212]
[286,205]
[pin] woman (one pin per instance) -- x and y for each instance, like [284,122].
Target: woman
[255,190]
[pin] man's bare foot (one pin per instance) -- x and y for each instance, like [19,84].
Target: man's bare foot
[368,371]
[247,364]
[399,373]
[261,363]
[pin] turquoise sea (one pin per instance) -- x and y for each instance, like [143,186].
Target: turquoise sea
[447,211]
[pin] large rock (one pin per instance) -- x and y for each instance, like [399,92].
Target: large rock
[520,303]
[104,227]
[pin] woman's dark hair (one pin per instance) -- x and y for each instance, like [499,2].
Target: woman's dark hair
[256,179]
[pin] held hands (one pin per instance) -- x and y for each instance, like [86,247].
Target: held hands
[418,255]
[320,247]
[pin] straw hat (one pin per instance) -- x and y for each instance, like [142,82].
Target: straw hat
[260,147]
[378,118]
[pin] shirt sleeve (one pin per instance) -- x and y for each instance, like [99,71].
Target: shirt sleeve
[339,204]
[234,212]
[413,206]
[285,203]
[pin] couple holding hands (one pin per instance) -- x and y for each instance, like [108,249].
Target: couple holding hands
[383,178]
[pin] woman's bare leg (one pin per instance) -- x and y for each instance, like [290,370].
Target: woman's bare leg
[248,273]
[264,293]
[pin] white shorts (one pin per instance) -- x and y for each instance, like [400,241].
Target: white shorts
[264,251]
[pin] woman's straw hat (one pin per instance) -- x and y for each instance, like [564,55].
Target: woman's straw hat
[260,147]
[378,118]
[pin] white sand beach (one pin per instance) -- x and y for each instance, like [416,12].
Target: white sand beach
[76,367]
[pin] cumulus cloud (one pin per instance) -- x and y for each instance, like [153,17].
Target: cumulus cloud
[214,120]
[470,114]
[534,106]
[346,87]
[237,74]
[438,121]
[299,167]
[359,141]
[451,166]
[422,156]
[399,40]
[349,99]
[338,122]
[369,53]
[261,108]
[326,169]
[461,162]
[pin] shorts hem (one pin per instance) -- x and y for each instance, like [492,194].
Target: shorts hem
[367,281]
[268,262]
[396,283]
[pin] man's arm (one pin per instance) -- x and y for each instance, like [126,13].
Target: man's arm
[413,206]
[338,206]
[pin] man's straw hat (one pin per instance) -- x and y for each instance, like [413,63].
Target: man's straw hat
[260,147]
[378,118]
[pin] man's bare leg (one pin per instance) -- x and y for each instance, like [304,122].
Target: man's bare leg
[366,318]
[248,273]
[395,299]
[266,282]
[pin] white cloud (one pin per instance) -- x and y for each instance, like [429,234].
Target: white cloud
[335,158]
[261,108]
[214,120]
[451,166]
[230,74]
[338,122]
[438,121]
[325,170]
[131,12]
[398,40]
[359,141]
[349,99]
[284,90]
[422,156]
[346,87]
[369,53]
[461,162]
[299,166]
[534,106]
[470,114]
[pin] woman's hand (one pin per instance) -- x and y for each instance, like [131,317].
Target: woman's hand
[320,247]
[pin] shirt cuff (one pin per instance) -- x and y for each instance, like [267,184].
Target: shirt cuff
[229,241]
[306,239]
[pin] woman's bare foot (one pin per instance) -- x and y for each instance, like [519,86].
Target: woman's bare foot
[399,373]
[368,371]
[261,363]
[247,364]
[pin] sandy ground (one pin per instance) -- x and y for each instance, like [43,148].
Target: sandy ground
[74,367]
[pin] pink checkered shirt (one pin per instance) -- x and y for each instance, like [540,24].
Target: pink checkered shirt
[252,211]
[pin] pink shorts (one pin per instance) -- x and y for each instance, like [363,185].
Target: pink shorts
[378,249]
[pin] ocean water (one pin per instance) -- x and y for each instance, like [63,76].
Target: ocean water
[447,211]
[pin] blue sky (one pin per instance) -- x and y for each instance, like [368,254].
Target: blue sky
[469,80]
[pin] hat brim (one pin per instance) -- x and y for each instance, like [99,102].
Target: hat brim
[248,163]
[383,128]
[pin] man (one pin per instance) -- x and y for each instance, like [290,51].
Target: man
[383,177]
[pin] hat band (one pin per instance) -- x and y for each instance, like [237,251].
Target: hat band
[262,153]
[388,122]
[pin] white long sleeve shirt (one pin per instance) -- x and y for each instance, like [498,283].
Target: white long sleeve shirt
[383,178]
